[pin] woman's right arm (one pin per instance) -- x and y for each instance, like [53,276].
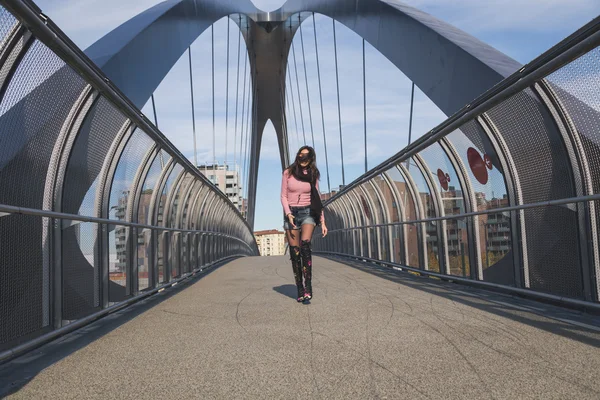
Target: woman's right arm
[284,191]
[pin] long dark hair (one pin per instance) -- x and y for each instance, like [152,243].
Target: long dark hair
[312,163]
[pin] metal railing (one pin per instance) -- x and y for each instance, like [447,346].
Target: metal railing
[98,209]
[504,193]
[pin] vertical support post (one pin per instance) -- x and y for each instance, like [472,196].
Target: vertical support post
[321,100]
[337,80]
[57,299]
[193,109]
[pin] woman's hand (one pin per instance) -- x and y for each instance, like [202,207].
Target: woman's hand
[324,230]
[291,219]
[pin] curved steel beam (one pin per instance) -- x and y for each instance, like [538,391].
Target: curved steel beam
[448,65]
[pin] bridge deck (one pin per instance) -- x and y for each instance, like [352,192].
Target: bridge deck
[238,333]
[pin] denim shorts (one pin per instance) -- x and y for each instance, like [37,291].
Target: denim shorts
[301,216]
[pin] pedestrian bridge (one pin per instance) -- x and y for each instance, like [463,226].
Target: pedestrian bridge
[466,265]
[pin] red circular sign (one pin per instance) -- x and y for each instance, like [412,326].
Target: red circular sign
[444,178]
[478,166]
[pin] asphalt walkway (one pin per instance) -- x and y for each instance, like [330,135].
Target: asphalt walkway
[237,332]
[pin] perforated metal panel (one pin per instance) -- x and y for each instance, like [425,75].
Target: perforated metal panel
[544,173]
[80,269]
[21,279]
[7,23]
[577,86]
[34,106]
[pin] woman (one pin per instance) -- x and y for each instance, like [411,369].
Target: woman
[303,210]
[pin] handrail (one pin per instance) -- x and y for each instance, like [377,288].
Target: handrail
[559,202]
[4,208]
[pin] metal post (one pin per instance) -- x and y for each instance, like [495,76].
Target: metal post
[193,110]
[312,133]
[337,80]
[321,100]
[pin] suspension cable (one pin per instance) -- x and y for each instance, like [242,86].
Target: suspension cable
[337,80]
[365,100]
[306,80]
[293,104]
[227,95]
[253,129]
[288,111]
[321,100]
[410,120]
[193,109]
[284,127]
[212,37]
[251,90]
[237,94]
[243,109]
[160,155]
[298,87]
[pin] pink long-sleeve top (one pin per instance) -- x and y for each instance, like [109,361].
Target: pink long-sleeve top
[295,193]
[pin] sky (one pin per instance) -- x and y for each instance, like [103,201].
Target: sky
[522,29]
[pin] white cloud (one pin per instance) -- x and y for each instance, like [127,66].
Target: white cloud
[87,21]
[477,16]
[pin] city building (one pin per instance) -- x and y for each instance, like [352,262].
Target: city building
[228,181]
[271,242]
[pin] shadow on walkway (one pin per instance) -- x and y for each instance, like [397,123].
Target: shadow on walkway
[287,290]
[17,373]
[571,324]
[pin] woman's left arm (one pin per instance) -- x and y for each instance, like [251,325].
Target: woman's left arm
[323,225]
